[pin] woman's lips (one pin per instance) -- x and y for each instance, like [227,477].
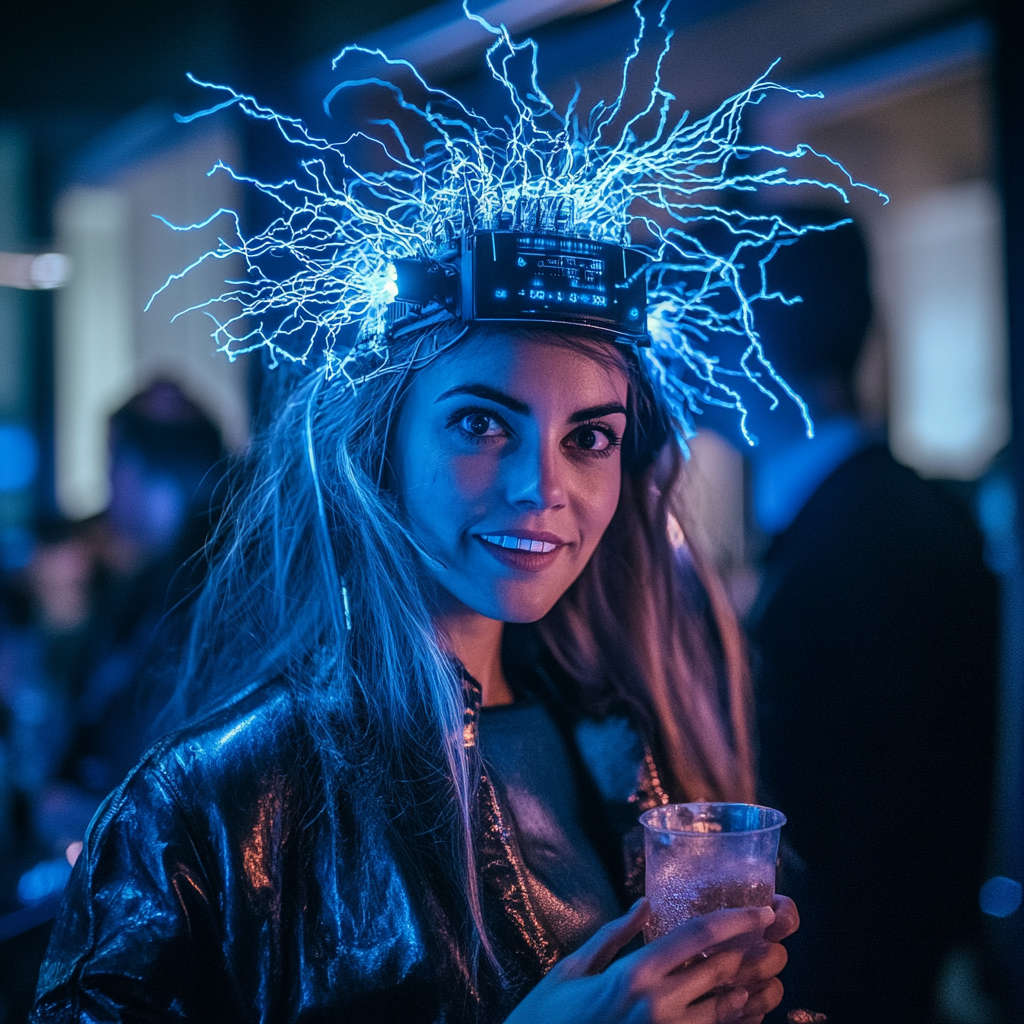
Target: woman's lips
[530,553]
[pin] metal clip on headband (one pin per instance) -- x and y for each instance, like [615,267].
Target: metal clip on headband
[532,277]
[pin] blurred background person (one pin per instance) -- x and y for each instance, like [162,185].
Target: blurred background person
[89,633]
[875,633]
[163,453]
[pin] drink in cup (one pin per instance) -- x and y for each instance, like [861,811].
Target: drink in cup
[705,857]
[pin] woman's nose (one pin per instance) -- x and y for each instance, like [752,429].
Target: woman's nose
[534,478]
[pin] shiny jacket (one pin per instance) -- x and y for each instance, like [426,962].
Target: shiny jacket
[213,887]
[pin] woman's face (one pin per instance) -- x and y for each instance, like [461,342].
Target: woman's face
[508,464]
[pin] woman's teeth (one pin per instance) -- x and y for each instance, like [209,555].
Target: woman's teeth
[502,540]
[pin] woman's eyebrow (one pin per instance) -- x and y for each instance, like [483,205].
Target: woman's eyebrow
[486,391]
[596,411]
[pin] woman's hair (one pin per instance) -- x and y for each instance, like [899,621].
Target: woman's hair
[314,578]
[647,625]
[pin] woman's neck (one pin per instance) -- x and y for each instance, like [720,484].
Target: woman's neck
[476,642]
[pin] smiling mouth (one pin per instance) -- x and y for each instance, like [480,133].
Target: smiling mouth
[503,540]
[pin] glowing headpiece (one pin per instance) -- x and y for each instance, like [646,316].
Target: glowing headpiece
[608,220]
[530,276]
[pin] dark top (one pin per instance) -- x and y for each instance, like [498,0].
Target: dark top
[525,752]
[876,630]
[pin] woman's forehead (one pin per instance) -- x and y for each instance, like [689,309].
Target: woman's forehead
[520,362]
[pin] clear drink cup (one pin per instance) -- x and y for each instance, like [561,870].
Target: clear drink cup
[708,856]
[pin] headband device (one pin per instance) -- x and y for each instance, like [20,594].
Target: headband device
[531,277]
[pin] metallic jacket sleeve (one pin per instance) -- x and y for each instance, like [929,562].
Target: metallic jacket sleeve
[229,880]
[139,936]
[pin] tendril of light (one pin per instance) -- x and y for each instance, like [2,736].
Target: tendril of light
[319,277]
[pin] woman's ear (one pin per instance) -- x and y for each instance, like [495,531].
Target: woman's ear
[668,465]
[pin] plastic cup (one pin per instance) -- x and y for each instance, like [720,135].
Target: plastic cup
[705,857]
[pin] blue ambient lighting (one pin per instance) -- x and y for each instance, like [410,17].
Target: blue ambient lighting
[1000,896]
[47,878]
[16,547]
[19,457]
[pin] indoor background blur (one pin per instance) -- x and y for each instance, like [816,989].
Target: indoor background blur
[117,422]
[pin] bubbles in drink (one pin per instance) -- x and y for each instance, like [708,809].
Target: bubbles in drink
[675,898]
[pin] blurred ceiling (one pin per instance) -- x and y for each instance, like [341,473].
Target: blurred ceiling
[69,69]
[116,55]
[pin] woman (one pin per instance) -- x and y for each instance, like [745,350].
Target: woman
[331,844]
[451,643]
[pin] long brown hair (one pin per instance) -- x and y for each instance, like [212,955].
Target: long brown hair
[648,623]
[632,627]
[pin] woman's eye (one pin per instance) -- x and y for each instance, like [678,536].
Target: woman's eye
[593,439]
[479,424]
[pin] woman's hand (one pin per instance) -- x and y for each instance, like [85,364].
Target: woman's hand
[657,985]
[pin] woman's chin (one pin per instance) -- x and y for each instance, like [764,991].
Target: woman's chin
[504,604]
[526,616]
[526,609]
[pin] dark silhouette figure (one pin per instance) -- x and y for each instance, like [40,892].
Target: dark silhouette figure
[163,457]
[89,635]
[875,635]
[164,454]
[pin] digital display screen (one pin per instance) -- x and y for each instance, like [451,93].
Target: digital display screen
[521,276]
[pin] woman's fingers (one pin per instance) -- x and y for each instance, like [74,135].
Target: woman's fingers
[707,977]
[666,982]
[753,975]
[719,999]
[601,948]
[760,964]
[787,919]
[731,1006]
[665,954]
[725,1008]
[693,994]
[761,1001]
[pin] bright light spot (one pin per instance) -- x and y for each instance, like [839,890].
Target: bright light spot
[23,270]
[1000,896]
[19,457]
[940,276]
[94,342]
[235,730]
[50,270]
[47,878]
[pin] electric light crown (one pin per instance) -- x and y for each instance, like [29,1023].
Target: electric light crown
[610,220]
